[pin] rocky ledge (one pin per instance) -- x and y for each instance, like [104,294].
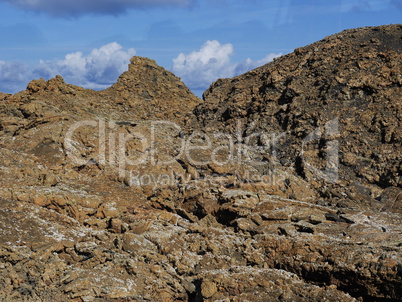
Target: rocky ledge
[282,184]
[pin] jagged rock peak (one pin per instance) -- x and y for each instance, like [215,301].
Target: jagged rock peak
[144,73]
[152,90]
[145,91]
[56,84]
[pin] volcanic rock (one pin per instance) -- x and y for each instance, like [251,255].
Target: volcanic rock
[283,184]
[330,111]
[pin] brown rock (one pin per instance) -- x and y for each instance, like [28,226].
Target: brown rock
[273,215]
[353,111]
[208,289]
[117,226]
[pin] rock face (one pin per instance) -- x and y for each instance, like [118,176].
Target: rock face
[152,92]
[283,184]
[340,94]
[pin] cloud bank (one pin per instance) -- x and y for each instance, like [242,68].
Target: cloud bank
[98,70]
[74,8]
[102,66]
[199,69]
[12,75]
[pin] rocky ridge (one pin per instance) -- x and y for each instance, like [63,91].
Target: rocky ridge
[143,192]
[351,82]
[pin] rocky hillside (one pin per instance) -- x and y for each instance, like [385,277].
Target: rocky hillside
[283,184]
[343,91]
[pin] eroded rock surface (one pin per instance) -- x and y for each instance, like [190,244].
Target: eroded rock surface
[339,94]
[143,192]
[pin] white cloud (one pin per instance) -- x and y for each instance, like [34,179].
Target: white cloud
[102,66]
[13,76]
[12,71]
[79,7]
[249,64]
[200,68]
[98,70]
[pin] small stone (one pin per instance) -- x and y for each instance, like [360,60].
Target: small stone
[116,225]
[110,210]
[140,227]
[189,286]
[41,200]
[134,243]
[315,219]
[208,289]
[246,224]
[59,200]
[99,223]
[85,247]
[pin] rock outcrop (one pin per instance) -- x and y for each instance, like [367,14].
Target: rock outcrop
[340,94]
[151,92]
[283,184]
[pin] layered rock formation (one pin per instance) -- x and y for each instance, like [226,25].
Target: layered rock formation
[283,184]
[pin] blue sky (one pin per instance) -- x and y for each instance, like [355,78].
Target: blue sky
[89,42]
